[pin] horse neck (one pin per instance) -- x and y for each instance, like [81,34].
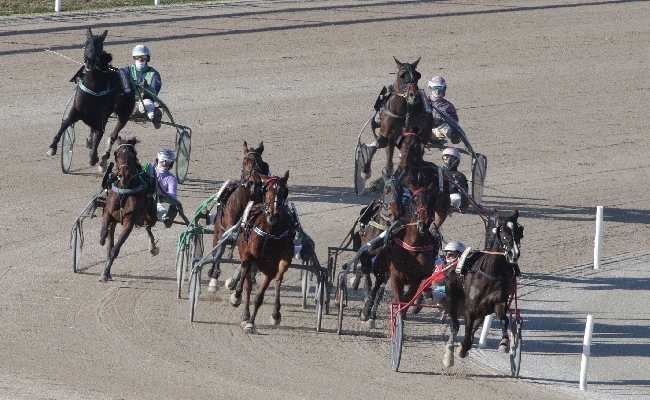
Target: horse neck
[95,79]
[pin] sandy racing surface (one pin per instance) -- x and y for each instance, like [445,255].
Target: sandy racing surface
[555,94]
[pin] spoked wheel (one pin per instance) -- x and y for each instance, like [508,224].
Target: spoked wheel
[479,172]
[67,143]
[76,242]
[396,342]
[194,287]
[359,162]
[515,349]
[306,278]
[320,303]
[181,266]
[184,146]
[341,298]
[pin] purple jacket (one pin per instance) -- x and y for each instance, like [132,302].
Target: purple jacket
[166,181]
[446,106]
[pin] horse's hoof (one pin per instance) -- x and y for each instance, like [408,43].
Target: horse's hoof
[504,346]
[462,353]
[155,251]
[416,310]
[234,300]
[363,317]
[276,321]
[94,159]
[231,284]
[250,328]
[369,323]
[105,278]
[213,286]
[51,151]
[448,361]
[102,166]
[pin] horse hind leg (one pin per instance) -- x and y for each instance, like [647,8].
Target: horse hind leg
[153,249]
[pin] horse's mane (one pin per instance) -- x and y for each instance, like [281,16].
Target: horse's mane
[105,60]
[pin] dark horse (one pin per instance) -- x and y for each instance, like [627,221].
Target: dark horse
[265,244]
[403,106]
[375,219]
[128,203]
[490,278]
[411,250]
[99,93]
[234,198]
[415,173]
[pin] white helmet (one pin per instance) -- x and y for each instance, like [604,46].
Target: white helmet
[455,246]
[438,86]
[451,157]
[166,155]
[141,50]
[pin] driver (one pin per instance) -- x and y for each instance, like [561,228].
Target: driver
[438,87]
[450,161]
[142,74]
[167,185]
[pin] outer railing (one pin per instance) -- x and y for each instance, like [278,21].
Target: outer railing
[57,4]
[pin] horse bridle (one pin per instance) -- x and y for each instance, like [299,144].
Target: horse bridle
[266,206]
[419,208]
[248,174]
[118,171]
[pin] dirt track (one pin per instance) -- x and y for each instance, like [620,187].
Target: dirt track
[555,94]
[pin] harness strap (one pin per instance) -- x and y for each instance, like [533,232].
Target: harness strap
[268,235]
[385,111]
[378,226]
[100,94]
[411,248]
[140,188]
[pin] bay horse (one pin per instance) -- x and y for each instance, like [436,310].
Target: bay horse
[99,93]
[404,106]
[411,250]
[488,285]
[415,173]
[376,218]
[266,244]
[128,202]
[232,202]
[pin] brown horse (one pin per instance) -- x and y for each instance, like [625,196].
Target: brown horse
[411,250]
[99,93]
[127,203]
[403,106]
[490,278]
[265,244]
[375,219]
[232,202]
[416,173]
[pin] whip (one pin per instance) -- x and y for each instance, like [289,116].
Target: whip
[59,54]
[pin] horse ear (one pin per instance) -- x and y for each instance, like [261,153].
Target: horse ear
[399,64]
[286,176]
[415,64]
[89,34]
[515,215]
[103,35]
[260,148]
[245,148]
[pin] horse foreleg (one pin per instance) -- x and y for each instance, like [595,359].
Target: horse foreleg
[469,335]
[97,135]
[454,325]
[110,233]
[107,154]
[276,316]
[500,311]
[378,295]
[249,319]
[245,270]
[390,150]
[65,124]
[153,249]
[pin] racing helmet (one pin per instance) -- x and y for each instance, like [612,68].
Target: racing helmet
[451,157]
[453,250]
[438,86]
[166,155]
[141,50]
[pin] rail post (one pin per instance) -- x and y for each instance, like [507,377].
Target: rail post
[586,351]
[156,2]
[484,332]
[57,5]
[598,242]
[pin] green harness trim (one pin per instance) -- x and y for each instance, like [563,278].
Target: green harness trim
[100,94]
[376,225]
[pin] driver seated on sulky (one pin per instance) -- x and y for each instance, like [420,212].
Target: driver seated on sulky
[450,162]
[144,75]
[167,185]
[438,87]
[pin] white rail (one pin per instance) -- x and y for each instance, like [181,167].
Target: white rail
[57,4]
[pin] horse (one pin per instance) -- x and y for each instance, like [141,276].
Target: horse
[404,106]
[128,202]
[376,218]
[99,93]
[411,250]
[488,285]
[233,200]
[265,244]
[415,172]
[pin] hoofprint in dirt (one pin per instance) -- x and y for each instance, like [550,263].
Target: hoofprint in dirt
[552,93]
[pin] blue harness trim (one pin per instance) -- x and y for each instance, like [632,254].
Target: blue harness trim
[264,234]
[127,191]
[100,94]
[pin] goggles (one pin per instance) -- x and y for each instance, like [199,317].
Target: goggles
[140,58]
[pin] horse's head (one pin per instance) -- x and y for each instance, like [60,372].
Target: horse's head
[410,146]
[406,82]
[392,198]
[126,159]
[504,235]
[275,193]
[252,164]
[422,215]
[93,49]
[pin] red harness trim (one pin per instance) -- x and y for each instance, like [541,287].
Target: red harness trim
[411,248]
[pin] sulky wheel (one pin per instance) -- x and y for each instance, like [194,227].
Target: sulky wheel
[181,267]
[320,303]
[194,288]
[184,146]
[67,143]
[305,278]
[396,342]
[479,173]
[515,349]
[341,294]
[76,241]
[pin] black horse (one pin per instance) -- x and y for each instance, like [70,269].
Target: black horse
[489,278]
[99,93]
